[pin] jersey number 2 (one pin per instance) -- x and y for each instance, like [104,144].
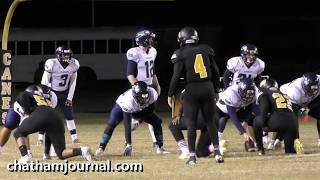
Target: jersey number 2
[199,66]
[281,101]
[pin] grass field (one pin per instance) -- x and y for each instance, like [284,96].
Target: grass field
[238,164]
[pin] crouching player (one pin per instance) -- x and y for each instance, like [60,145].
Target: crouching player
[40,116]
[139,102]
[276,116]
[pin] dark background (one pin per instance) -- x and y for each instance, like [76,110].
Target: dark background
[287,34]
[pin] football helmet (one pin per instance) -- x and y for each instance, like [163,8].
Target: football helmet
[64,54]
[249,54]
[246,89]
[187,35]
[310,83]
[269,83]
[40,90]
[140,92]
[145,38]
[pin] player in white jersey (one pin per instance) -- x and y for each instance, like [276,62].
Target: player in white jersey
[247,65]
[141,62]
[61,76]
[304,94]
[137,102]
[237,103]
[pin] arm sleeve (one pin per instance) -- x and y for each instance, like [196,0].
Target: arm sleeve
[257,80]
[234,117]
[227,78]
[46,79]
[215,74]
[72,87]
[177,70]
[264,108]
[132,68]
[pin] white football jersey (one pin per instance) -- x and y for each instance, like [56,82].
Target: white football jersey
[145,62]
[60,76]
[240,69]
[128,104]
[296,93]
[231,97]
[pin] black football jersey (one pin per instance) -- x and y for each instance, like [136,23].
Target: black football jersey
[29,101]
[197,62]
[278,102]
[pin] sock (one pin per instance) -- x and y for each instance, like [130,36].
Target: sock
[192,154]
[220,135]
[23,150]
[77,151]
[211,148]
[216,150]
[151,130]
[71,126]
[104,141]
[183,146]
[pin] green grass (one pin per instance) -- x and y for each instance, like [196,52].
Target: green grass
[238,164]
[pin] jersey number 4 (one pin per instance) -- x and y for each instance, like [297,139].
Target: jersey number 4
[199,66]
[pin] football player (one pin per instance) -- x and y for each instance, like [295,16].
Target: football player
[141,63]
[15,113]
[247,65]
[195,62]
[237,103]
[304,94]
[276,116]
[61,76]
[38,115]
[138,102]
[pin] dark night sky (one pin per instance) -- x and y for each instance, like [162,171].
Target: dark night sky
[285,33]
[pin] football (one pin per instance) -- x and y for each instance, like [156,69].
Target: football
[249,146]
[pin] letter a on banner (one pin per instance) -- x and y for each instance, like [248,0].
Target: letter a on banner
[6,83]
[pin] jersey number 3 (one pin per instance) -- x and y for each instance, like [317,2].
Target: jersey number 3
[199,66]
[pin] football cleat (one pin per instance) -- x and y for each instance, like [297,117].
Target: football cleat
[277,144]
[99,152]
[270,145]
[218,158]
[127,150]
[46,157]
[184,155]
[298,146]
[161,150]
[192,161]
[24,159]
[249,146]
[87,154]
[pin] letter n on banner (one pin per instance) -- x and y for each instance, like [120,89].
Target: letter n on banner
[6,83]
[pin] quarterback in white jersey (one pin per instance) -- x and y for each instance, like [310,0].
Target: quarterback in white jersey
[304,94]
[247,65]
[141,62]
[137,102]
[61,75]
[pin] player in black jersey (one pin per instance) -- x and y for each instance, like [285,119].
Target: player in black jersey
[38,115]
[276,116]
[195,62]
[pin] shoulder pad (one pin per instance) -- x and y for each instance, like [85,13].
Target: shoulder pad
[175,56]
[132,54]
